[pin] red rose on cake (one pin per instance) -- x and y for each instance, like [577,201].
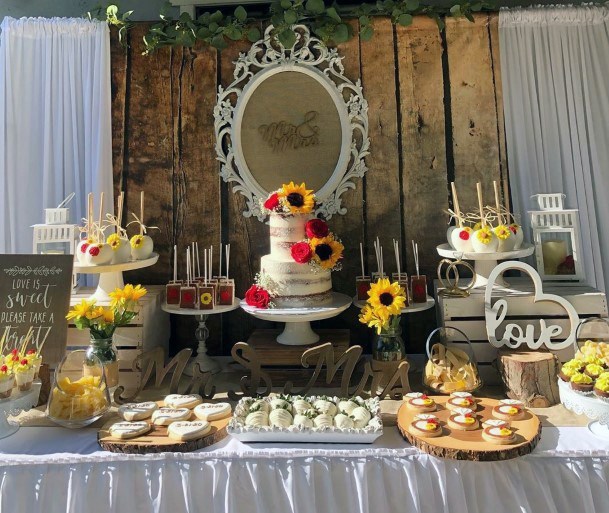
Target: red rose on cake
[301,252]
[272,202]
[316,228]
[257,296]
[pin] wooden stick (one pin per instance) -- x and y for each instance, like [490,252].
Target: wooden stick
[205,266]
[396,249]
[453,188]
[506,197]
[89,213]
[497,202]
[100,234]
[188,266]
[175,263]
[211,261]
[361,254]
[142,212]
[227,258]
[479,190]
[198,261]
[220,261]
[119,217]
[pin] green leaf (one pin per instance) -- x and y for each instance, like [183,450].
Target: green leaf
[185,18]
[341,33]
[277,20]
[204,33]
[412,5]
[477,6]
[366,33]
[364,20]
[455,10]
[287,38]
[290,17]
[186,38]
[315,6]
[253,34]
[388,4]
[216,16]
[240,13]
[331,13]
[219,42]
[469,17]
[405,20]
[233,33]
[126,15]
[286,4]
[213,26]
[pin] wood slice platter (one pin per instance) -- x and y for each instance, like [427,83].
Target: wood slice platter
[156,440]
[469,445]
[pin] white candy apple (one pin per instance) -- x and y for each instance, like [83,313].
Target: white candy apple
[121,249]
[449,232]
[518,235]
[81,250]
[99,254]
[461,239]
[141,247]
[505,237]
[485,241]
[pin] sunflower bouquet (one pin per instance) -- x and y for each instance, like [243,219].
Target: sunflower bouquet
[384,306]
[290,199]
[103,321]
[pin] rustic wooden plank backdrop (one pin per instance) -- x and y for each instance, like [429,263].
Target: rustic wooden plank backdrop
[435,112]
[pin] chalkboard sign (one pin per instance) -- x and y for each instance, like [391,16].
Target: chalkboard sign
[35,292]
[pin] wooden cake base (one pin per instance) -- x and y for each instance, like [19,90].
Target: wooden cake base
[156,440]
[469,445]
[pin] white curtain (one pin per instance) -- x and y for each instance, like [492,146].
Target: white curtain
[555,76]
[55,125]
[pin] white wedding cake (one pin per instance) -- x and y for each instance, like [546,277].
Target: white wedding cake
[295,284]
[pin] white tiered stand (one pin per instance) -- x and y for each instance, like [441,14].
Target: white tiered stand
[297,331]
[413,308]
[484,263]
[15,404]
[206,363]
[597,410]
[111,275]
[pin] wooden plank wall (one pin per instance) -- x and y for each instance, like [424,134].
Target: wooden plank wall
[435,116]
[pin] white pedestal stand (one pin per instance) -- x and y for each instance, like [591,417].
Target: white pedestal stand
[591,406]
[111,275]
[297,331]
[413,308]
[206,363]
[15,404]
[484,263]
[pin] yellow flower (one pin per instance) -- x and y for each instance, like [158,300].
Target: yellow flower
[131,293]
[81,310]
[95,313]
[326,251]
[114,241]
[118,298]
[137,241]
[372,319]
[108,315]
[386,298]
[502,232]
[484,235]
[206,298]
[297,198]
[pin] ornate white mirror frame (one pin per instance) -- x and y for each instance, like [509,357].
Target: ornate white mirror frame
[309,56]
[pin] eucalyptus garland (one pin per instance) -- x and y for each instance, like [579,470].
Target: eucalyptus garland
[328,22]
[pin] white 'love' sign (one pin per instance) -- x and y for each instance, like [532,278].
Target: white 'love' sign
[514,335]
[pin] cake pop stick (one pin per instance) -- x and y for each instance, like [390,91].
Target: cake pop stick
[361,254]
[227,258]
[396,249]
[382,268]
[175,263]
[479,191]
[453,188]
[188,276]
[205,266]
[378,256]
[211,267]
[220,261]
[415,253]
[141,212]
[497,202]
[198,261]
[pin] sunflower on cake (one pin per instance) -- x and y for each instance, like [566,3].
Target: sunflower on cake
[297,272]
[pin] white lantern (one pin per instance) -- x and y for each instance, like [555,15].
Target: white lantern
[54,239]
[556,239]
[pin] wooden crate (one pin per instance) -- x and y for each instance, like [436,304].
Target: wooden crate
[150,328]
[467,314]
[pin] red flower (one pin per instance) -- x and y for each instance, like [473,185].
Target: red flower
[23,362]
[4,368]
[83,248]
[514,229]
[464,235]
[257,296]
[301,252]
[272,202]
[94,250]
[316,228]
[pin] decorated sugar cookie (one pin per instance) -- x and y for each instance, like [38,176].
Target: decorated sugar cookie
[428,427]
[137,411]
[463,419]
[215,411]
[183,401]
[188,430]
[422,403]
[127,430]
[165,416]
[499,435]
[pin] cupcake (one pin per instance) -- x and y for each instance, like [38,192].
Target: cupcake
[594,370]
[24,374]
[570,368]
[582,383]
[7,380]
[35,359]
[12,359]
[601,387]
[588,359]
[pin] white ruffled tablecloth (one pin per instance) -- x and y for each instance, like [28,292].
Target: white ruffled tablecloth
[58,470]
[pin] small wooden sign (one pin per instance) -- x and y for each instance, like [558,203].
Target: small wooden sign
[35,292]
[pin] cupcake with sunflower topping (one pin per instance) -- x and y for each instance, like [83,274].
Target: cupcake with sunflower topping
[296,199]
[601,386]
[581,383]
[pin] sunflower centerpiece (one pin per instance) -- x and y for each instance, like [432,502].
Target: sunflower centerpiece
[102,321]
[382,312]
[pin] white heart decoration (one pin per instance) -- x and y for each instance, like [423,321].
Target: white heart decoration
[514,336]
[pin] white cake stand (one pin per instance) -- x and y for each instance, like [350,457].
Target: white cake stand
[413,308]
[14,405]
[484,263]
[297,331]
[591,406]
[111,275]
[206,363]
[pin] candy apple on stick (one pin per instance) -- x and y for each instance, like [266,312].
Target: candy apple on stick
[484,240]
[503,232]
[461,237]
